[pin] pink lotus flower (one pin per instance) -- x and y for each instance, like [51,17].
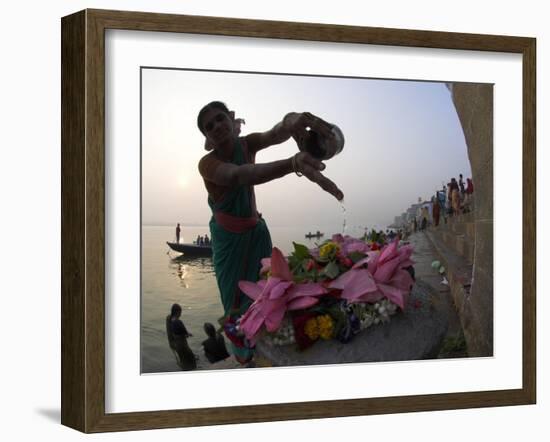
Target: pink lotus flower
[350,244]
[274,297]
[384,277]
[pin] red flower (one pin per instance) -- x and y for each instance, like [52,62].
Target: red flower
[347,262]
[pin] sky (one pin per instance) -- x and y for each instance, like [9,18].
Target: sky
[403,141]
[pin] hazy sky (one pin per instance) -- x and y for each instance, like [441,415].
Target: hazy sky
[403,140]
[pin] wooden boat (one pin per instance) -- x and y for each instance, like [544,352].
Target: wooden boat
[190,249]
[314,235]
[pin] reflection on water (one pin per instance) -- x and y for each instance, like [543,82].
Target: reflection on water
[184,267]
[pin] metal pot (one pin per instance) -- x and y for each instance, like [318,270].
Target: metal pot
[321,147]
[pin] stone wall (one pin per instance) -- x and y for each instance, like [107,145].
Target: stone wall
[474,106]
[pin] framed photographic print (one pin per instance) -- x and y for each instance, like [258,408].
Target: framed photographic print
[270,220]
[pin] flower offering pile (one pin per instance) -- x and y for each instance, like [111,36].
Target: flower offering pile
[330,292]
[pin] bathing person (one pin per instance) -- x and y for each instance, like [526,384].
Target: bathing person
[177,338]
[214,346]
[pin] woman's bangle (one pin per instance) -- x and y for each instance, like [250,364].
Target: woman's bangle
[294,166]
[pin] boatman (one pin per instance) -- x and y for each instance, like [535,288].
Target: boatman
[178,230]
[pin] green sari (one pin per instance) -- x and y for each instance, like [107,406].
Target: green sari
[240,239]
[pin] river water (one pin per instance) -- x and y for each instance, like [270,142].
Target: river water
[169,278]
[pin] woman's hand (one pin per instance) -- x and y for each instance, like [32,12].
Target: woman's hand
[311,167]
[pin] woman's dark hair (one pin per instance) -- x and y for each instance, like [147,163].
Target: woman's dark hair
[176,310]
[212,105]
[209,329]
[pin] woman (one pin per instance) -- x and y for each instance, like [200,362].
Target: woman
[177,338]
[470,186]
[455,196]
[468,194]
[239,235]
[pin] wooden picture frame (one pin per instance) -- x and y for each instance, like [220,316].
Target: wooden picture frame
[83,220]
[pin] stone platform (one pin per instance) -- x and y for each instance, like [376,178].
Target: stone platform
[416,333]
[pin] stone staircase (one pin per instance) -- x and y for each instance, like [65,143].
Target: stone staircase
[458,234]
[454,243]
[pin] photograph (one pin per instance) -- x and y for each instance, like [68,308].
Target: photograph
[269,220]
[303,220]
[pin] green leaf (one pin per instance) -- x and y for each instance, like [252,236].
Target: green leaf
[331,270]
[300,251]
[294,263]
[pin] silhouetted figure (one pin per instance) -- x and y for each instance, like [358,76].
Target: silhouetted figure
[470,187]
[206,240]
[214,346]
[425,215]
[461,184]
[178,230]
[177,338]
[455,197]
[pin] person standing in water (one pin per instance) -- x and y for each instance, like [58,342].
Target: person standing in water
[177,339]
[239,235]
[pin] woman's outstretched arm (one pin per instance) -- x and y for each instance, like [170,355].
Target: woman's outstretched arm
[230,175]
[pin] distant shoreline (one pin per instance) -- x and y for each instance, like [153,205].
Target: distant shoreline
[327,230]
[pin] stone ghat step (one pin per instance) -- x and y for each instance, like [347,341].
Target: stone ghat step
[462,218]
[458,228]
[461,245]
[464,228]
[464,224]
[416,333]
[458,271]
